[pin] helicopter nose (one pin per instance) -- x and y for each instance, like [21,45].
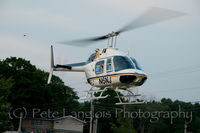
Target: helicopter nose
[127,79]
[140,81]
[137,80]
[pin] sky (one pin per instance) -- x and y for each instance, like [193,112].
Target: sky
[167,51]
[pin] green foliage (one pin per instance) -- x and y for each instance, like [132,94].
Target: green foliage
[154,124]
[123,125]
[23,85]
[5,85]
[32,91]
[106,107]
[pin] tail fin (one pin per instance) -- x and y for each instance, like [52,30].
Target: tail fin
[51,65]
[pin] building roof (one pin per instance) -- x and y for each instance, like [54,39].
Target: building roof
[69,116]
[59,118]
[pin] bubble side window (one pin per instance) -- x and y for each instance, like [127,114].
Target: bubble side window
[99,67]
[109,65]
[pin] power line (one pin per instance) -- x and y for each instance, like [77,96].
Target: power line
[177,69]
[175,74]
[197,87]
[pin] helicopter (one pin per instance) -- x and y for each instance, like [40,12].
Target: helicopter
[111,68]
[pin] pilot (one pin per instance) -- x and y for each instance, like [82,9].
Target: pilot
[101,66]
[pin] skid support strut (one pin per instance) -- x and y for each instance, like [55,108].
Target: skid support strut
[90,94]
[128,98]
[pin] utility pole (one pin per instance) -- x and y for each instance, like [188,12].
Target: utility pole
[91,110]
[20,123]
[96,124]
[91,98]
[185,128]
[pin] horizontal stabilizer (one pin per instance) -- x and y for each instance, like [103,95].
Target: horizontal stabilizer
[63,66]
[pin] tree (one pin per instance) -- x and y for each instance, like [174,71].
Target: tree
[155,123]
[107,109]
[123,125]
[32,91]
[5,85]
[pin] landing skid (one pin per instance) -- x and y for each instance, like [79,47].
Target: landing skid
[131,97]
[90,94]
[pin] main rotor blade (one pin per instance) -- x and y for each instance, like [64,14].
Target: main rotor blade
[151,16]
[82,42]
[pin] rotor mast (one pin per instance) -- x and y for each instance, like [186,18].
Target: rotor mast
[112,39]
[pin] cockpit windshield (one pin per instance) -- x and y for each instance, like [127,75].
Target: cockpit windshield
[136,64]
[122,62]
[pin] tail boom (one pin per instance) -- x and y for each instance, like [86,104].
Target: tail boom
[76,67]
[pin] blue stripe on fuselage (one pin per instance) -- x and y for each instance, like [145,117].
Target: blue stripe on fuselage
[116,74]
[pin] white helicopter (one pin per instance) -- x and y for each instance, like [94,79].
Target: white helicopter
[110,68]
